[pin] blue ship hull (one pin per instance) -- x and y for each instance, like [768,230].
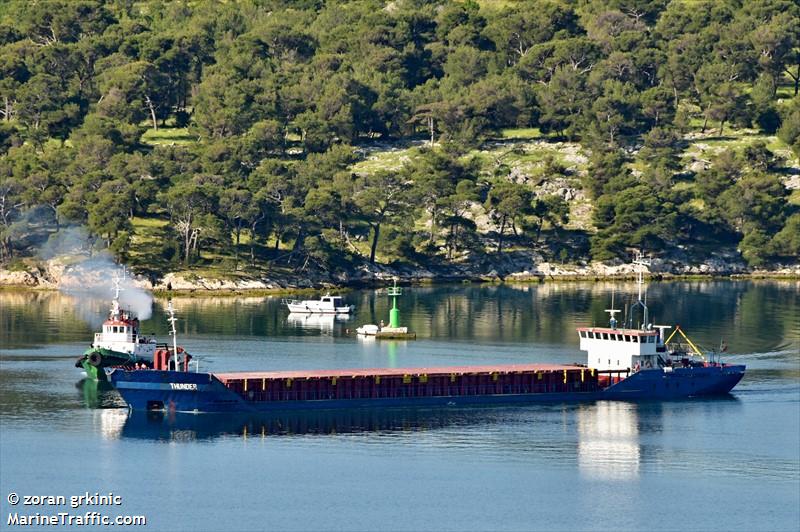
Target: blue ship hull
[203,392]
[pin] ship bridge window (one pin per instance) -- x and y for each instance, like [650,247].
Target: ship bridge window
[605,336]
[583,334]
[627,337]
[635,339]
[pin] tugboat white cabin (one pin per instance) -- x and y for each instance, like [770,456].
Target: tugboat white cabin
[120,332]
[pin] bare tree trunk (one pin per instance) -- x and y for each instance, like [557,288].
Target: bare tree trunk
[236,248]
[500,238]
[150,106]
[187,245]
[376,232]
[253,242]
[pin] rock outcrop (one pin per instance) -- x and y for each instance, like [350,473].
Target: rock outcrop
[510,266]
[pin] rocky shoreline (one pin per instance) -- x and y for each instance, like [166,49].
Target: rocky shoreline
[519,267]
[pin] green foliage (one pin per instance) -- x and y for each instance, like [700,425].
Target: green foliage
[237,126]
[636,217]
[786,243]
[790,127]
[506,203]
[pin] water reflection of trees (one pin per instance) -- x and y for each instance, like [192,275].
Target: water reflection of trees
[749,315]
[760,315]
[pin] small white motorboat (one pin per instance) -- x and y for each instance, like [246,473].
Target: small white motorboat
[368,330]
[327,304]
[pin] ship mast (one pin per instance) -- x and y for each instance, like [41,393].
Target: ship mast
[115,310]
[639,260]
[172,319]
[613,312]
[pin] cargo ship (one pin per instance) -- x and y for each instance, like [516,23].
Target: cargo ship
[119,344]
[623,363]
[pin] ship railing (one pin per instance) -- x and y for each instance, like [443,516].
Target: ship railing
[410,392]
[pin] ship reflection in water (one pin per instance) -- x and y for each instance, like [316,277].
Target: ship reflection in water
[99,394]
[608,440]
[170,426]
[322,322]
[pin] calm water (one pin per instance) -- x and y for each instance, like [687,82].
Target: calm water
[724,464]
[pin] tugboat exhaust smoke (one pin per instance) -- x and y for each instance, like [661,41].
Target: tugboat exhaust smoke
[93,278]
[89,277]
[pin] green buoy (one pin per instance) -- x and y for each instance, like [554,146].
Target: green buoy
[394,313]
[394,331]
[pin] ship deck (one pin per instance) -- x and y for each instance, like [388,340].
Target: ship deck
[398,372]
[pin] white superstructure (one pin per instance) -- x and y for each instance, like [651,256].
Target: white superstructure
[613,348]
[619,349]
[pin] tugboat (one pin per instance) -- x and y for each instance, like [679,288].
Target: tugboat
[327,304]
[622,364]
[120,344]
